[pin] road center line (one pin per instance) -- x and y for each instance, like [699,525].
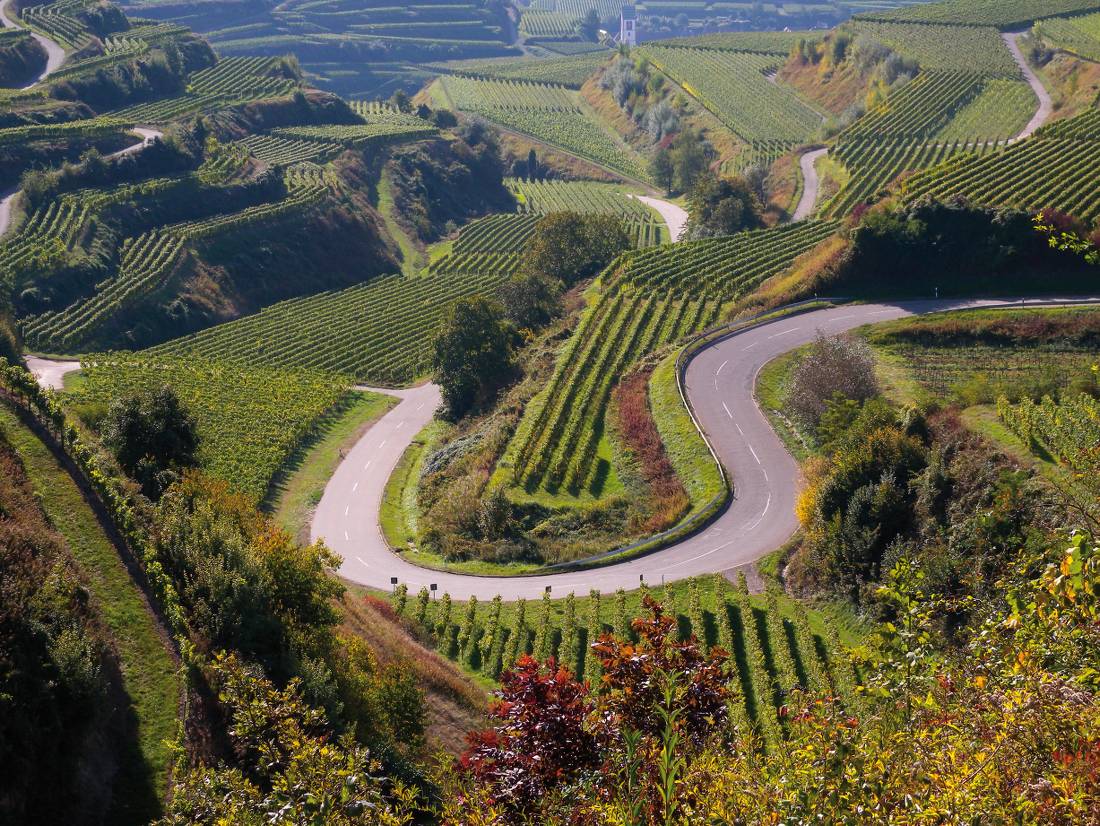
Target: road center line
[399,425]
[728,411]
[383,444]
[739,430]
[724,363]
[363,561]
[367,465]
[753,452]
[355,487]
[793,329]
[346,509]
[752,345]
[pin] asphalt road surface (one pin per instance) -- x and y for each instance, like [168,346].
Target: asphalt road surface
[720,383]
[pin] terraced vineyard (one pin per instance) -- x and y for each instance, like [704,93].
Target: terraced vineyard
[775,644]
[919,109]
[776,43]
[544,197]
[724,268]
[361,48]
[146,262]
[497,233]
[280,151]
[231,81]
[1043,171]
[971,49]
[1078,35]
[59,21]
[1000,13]
[553,114]
[87,129]
[570,71]
[1068,430]
[374,111]
[556,446]
[249,419]
[733,86]
[378,332]
[358,136]
[999,112]
[874,164]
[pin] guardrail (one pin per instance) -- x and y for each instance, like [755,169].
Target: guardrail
[714,508]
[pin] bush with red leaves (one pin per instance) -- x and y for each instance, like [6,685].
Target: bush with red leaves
[539,742]
[551,732]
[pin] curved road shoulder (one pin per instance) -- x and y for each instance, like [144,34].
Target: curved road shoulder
[720,381]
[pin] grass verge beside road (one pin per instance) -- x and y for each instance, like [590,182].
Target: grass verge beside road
[150,674]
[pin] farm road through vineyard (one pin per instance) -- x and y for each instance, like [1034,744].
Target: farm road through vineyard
[720,383]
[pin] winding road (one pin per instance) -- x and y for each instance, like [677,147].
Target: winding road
[720,382]
[55,57]
[55,54]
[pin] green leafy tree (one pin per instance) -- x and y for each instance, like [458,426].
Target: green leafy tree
[662,169]
[689,159]
[292,768]
[568,247]
[722,206]
[472,354]
[153,436]
[531,301]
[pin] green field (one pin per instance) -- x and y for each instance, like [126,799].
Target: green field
[733,86]
[250,420]
[549,113]
[1000,13]
[1043,171]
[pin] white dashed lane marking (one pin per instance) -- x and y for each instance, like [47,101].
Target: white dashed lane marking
[355,487]
[777,335]
[727,411]
[753,452]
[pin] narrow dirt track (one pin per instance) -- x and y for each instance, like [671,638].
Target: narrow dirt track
[1046,105]
[720,382]
[811,184]
[676,218]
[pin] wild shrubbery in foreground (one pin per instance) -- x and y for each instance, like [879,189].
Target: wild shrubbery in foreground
[1002,728]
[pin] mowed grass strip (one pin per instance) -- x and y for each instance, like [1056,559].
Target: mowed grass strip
[150,674]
